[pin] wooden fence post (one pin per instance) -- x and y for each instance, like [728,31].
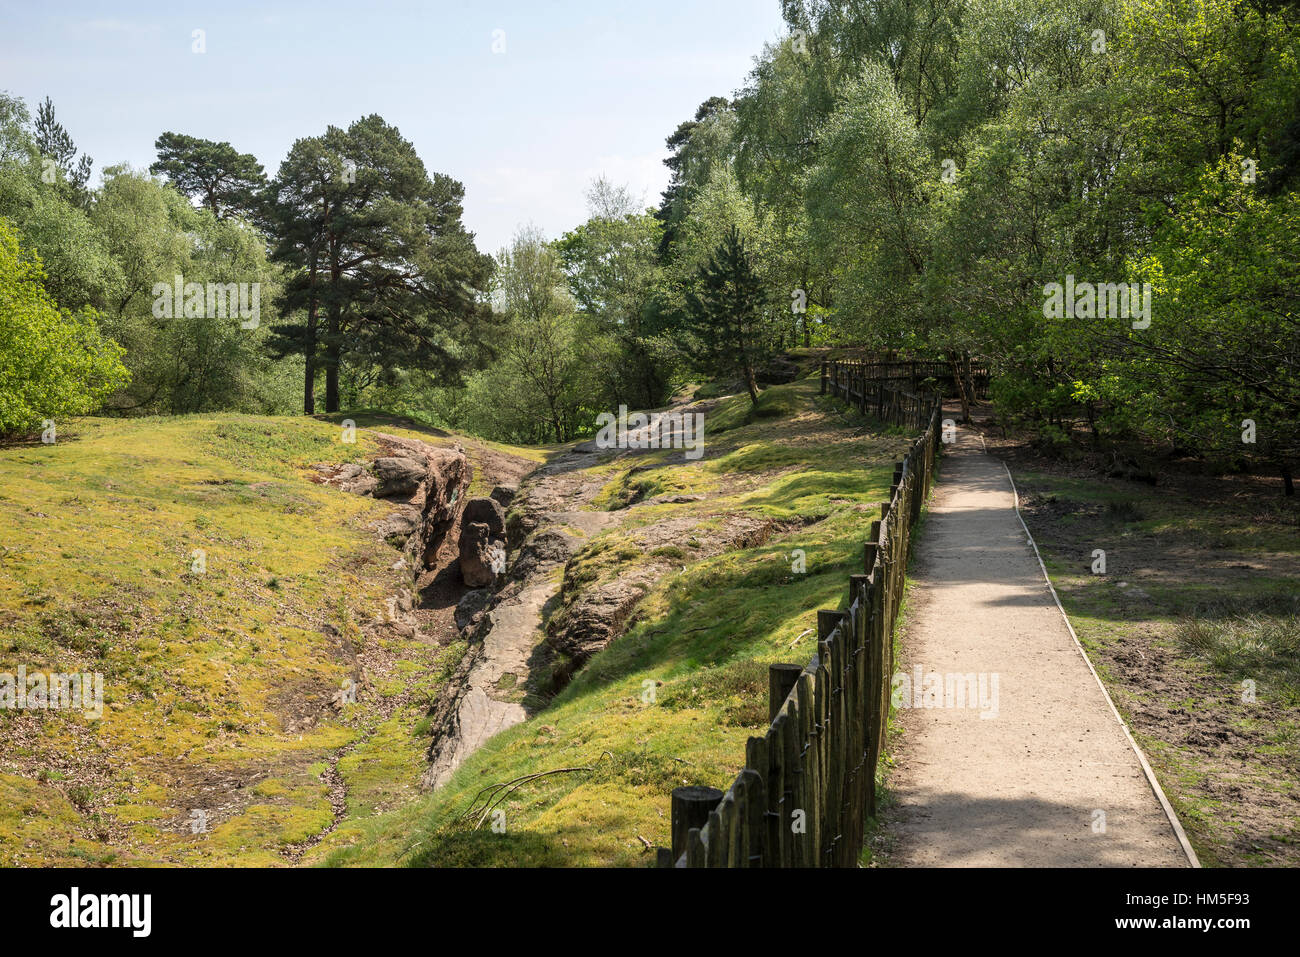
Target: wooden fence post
[690,809]
[695,855]
[781,680]
[826,622]
[870,548]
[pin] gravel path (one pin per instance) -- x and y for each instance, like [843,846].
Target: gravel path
[1037,770]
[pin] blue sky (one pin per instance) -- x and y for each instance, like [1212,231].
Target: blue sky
[582,88]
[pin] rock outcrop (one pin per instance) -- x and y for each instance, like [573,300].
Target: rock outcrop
[596,618]
[439,498]
[482,542]
[469,610]
[399,475]
[426,486]
[489,512]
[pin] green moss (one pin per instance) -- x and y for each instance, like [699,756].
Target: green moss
[203,662]
[673,700]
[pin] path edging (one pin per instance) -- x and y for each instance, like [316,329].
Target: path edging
[1146,767]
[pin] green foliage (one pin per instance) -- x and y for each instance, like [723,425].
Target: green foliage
[188,361]
[1224,347]
[383,274]
[610,262]
[222,178]
[55,145]
[922,172]
[545,377]
[727,313]
[53,362]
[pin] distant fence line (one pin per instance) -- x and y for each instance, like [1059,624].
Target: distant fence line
[860,374]
[809,783]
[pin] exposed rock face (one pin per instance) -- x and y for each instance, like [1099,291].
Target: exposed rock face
[425,484]
[482,542]
[399,526]
[443,491]
[594,614]
[504,494]
[597,618]
[489,512]
[549,547]
[399,475]
[350,478]
[482,558]
[469,612]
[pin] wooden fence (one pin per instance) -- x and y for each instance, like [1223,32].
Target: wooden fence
[809,783]
[910,376]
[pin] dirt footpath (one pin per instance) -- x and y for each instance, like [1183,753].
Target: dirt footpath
[1011,754]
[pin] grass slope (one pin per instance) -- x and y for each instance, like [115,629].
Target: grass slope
[212,677]
[673,700]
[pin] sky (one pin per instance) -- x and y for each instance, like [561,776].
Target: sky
[523,102]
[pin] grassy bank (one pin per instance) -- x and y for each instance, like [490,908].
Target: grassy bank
[222,595]
[673,700]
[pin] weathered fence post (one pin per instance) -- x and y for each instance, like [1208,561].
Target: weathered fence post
[690,809]
[781,680]
[695,855]
[870,548]
[826,622]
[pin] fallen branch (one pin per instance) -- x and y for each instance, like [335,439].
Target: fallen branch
[502,791]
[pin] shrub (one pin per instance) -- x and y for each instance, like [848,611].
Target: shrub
[52,362]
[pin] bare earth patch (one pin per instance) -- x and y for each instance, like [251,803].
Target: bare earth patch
[1191,548]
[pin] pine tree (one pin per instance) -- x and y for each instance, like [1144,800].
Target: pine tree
[726,313]
[385,274]
[224,179]
[55,143]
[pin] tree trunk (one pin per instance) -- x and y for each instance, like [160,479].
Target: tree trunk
[309,353]
[556,423]
[962,391]
[309,378]
[1288,481]
[750,383]
[332,345]
[332,378]
[309,387]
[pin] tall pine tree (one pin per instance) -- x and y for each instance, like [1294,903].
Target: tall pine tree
[385,274]
[56,144]
[224,179]
[726,314]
